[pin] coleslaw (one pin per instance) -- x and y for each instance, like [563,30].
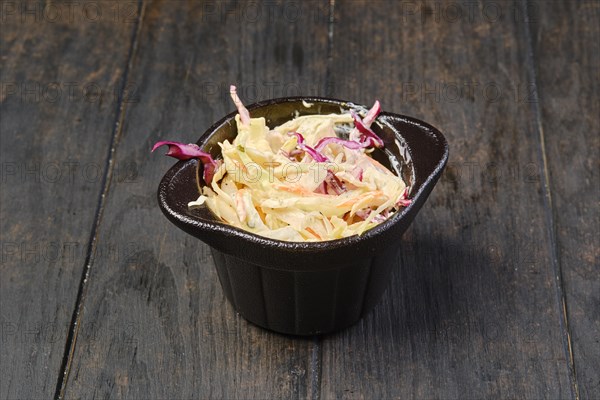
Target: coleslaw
[310,179]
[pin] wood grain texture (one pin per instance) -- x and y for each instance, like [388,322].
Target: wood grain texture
[472,309]
[60,81]
[155,322]
[569,107]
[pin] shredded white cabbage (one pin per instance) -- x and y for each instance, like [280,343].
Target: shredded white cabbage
[267,185]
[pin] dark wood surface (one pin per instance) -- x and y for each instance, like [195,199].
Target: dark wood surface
[567,87]
[496,291]
[61,84]
[472,311]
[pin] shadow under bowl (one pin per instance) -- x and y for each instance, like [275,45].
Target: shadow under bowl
[306,288]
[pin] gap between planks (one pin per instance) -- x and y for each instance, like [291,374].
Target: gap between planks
[121,108]
[549,210]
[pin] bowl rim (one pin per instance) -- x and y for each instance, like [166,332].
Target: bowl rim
[316,246]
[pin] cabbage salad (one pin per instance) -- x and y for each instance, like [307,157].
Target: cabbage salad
[309,179]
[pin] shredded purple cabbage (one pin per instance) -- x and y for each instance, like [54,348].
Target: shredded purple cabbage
[404,201]
[351,144]
[331,185]
[183,151]
[316,155]
[367,137]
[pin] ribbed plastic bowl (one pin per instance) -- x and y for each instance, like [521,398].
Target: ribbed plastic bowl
[315,287]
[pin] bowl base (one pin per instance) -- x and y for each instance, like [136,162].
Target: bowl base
[304,302]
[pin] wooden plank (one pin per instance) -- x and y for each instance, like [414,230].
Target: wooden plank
[61,77]
[155,323]
[569,104]
[471,311]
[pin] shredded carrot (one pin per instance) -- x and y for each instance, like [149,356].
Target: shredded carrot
[315,234]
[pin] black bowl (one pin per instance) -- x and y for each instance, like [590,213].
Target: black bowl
[307,288]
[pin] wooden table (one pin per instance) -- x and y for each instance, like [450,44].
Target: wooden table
[497,290]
